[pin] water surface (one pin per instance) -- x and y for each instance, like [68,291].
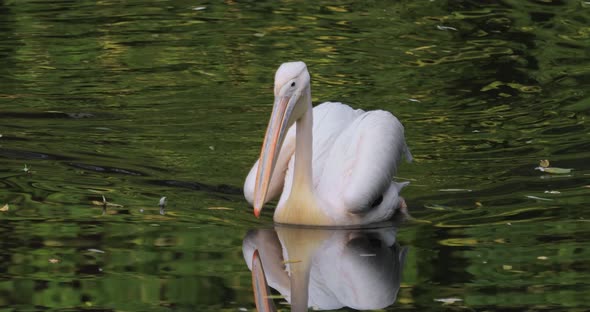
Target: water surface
[134,101]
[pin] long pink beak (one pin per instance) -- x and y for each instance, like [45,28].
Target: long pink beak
[273,140]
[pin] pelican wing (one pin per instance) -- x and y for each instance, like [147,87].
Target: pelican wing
[361,162]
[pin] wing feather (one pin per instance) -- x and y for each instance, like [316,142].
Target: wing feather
[362,161]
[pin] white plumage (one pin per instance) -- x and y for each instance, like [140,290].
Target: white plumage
[353,157]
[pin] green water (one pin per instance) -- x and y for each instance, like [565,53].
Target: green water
[136,100]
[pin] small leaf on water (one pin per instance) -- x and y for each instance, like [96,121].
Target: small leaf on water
[4,208]
[507,267]
[441,27]
[53,260]
[448,300]
[552,192]
[538,198]
[542,258]
[556,170]
[436,207]
[95,250]
[478,204]
[105,203]
[544,163]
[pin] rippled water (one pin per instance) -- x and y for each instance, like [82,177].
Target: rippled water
[136,101]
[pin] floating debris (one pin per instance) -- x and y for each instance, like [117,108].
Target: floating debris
[478,204]
[219,208]
[538,198]
[28,170]
[163,202]
[53,260]
[199,8]
[162,205]
[414,100]
[95,250]
[448,300]
[436,207]
[211,147]
[544,167]
[506,267]
[4,208]
[552,192]
[441,27]
[105,203]
[542,258]
[405,179]
[554,170]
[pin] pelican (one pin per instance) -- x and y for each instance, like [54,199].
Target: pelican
[332,165]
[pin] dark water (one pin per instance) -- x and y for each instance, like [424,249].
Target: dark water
[137,100]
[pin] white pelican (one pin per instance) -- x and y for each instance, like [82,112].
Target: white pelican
[346,180]
[325,269]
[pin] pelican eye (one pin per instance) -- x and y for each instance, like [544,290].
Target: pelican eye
[377,201]
[293,84]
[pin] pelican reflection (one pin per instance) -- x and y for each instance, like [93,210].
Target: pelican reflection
[326,269]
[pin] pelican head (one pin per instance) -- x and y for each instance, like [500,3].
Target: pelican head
[292,99]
